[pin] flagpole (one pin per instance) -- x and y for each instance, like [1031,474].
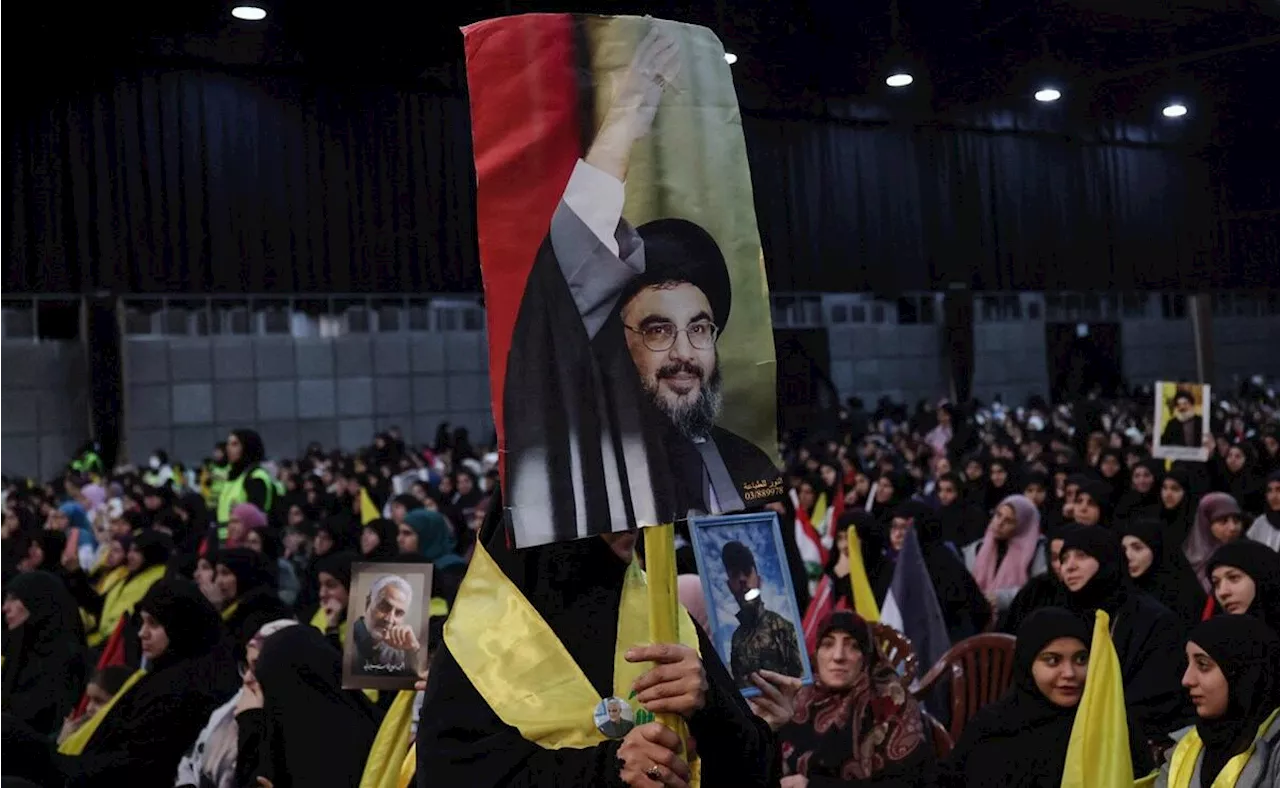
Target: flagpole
[660,571]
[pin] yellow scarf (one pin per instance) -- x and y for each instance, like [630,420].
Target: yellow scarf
[1182,765]
[75,743]
[111,579]
[230,610]
[523,671]
[121,600]
[393,751]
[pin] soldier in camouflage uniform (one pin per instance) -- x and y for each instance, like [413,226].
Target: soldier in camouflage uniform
[763,639]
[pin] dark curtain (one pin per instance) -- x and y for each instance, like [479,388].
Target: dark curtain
[851,206]
[202,181]
[197,180]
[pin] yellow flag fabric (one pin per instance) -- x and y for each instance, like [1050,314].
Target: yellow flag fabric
[387,756]
[76,742]
[1098,753]
[864,599]
[121,599]
[819,516]
[368,512]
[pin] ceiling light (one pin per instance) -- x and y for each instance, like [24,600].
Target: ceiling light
[1048,94]
[730,58]
[899,80]
[249,13]
[1174,110]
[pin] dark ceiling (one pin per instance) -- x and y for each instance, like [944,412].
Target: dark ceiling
[1119,54]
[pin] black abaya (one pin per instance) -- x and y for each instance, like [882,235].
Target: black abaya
[1148,636]
[576,587]
[45,659]
[1169,580]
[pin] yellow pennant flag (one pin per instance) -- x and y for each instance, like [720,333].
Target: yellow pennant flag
[1098,754]
[387,758]
[864,601]
[368,512]
[819,517]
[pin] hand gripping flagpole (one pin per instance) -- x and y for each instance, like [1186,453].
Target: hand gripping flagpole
[664,601]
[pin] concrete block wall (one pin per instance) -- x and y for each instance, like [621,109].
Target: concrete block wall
[1010,361]
[44,406]
[1245,346]
[185,394]
[1154,349]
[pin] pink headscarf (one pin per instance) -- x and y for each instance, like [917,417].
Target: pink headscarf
[1012,571]
[95,494]
[689,589]
[1201,542]
[250,515]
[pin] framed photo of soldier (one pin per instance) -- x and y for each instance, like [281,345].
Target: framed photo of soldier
[1181,421]
[386,632]
[752,614]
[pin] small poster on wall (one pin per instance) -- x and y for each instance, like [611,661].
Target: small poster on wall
[1181,421]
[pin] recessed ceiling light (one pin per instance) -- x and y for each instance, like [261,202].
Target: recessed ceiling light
[730,58]
[1174,110]
[1048,94]
[249,13]
[899,80]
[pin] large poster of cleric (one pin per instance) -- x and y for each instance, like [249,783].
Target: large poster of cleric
[631,350]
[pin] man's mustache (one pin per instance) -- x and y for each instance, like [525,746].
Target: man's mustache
[679,368]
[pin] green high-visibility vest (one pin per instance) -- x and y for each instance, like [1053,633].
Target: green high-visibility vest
[233,493]
[89,462]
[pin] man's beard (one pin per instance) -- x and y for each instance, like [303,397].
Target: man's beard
[693,420]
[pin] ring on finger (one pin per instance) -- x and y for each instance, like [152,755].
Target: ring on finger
[654,773]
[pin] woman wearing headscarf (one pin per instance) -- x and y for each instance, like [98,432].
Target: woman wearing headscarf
[262,538]
[378,540]
[1218,521]
[139,737]
[1154,571]
[856,724]
[1266,529]
[1011,552]
[147,559]
[333,580]
[1145,632]
[211,761]
[1235,475]
[246,581]
[298,679]
[1111,469]
[1041,591]
[1177,508]
[1001,482]
[427,533]
[247,481]
[574,611]
[962,522]
[81,541]
[1143,495]
[1233,676]
[44,655]
[1021,740]
[1245,577]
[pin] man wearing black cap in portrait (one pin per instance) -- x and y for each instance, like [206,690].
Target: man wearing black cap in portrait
[613,382]
[764,640]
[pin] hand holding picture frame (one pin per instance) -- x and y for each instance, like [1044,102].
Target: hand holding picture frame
[387,626]
[753,619]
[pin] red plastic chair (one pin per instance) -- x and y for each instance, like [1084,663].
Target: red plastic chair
[942,744]
[980,669]
[897,650]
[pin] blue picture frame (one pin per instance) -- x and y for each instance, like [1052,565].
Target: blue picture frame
[762,535]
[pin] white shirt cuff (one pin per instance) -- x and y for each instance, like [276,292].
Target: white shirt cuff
[596,198]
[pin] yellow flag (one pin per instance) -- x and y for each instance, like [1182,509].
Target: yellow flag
[1098,754]
[387,757]
[864,601]
[368,512]
[819,517]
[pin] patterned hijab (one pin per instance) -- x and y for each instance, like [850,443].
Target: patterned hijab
[865,731]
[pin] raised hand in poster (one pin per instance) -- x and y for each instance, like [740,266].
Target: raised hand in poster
[626,396]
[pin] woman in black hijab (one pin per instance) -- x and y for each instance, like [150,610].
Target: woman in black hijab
[1246,579]
[1146,633]
[1043,590]
[247,581]
[313,732]
[1177,508]
[152,721]
[962,523]
[1143,495]
[1021,740]
[576,589]
[45,659]
[378,540]
[1166,577]
[964,608]
[1233,675]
